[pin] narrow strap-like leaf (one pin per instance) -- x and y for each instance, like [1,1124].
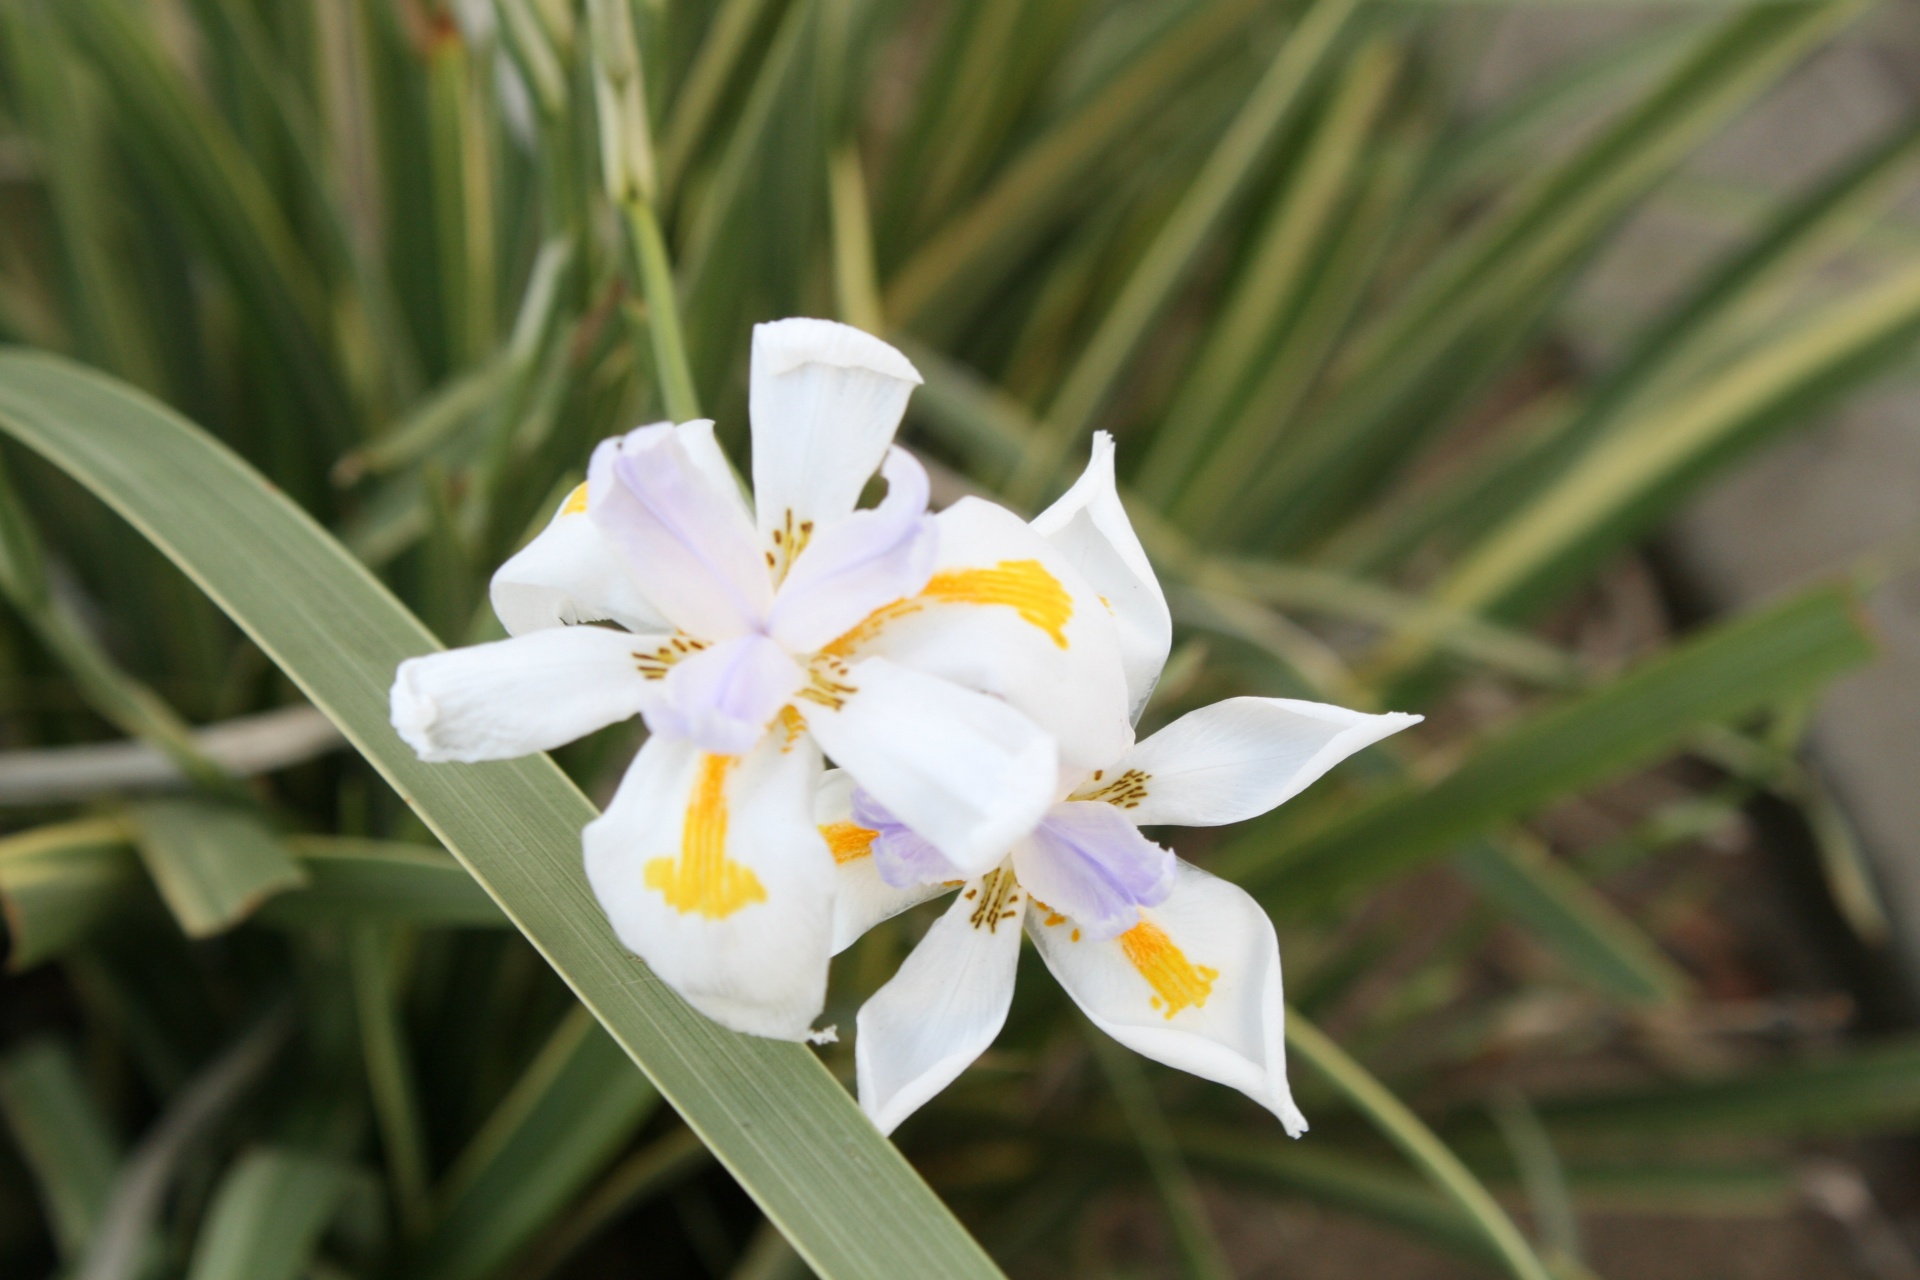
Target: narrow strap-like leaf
[770,1111]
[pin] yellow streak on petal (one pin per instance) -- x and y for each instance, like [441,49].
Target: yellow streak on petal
[869,627]
[1023,585]
[1166,968]
[703,879]
[848,841]
[790,721]
[576,501]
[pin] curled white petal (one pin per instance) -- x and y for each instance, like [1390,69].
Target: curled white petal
[710,460]
[1238,758]
[1195,985]
[711,870]
[515,697]
[967,772]
[1089,526]
[824,400]
[686,540]
[859,563]
[861,898]
[945,1005]
[567,575]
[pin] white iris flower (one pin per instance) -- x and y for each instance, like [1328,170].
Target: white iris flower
[1175,963]
[957,665]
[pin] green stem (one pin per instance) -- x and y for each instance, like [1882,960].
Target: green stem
[1417,1142]
[389,1077]
[1200,1254]
[663,312]
[854,278]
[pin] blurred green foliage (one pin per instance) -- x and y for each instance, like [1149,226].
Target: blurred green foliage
[410,259]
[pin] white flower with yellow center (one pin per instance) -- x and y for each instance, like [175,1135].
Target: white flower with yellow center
[956,664]
[1171,961]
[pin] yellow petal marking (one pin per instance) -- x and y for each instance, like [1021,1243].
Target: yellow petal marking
[1181,984]
[869,627]
[848,841]
[1125,791]
[576,501]
[703,879]
[1023,585]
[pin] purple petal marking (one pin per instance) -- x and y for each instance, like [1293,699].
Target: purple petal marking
[859,563]
[902,858]
[1087,861]
[690,549]
[723,698]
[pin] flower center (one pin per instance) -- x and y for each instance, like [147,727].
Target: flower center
[1126,791]
[998,897]
[789,540]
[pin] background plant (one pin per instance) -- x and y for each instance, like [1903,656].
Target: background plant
[410,261]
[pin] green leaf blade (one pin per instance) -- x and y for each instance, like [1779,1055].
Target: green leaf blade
[771,1113]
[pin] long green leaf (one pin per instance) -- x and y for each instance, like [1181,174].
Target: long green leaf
[771,1113]
[390,1074]
[1333,1176]
[60,883]
[267,1216]
[1198,1248]
[656,1167]
[1274,102]
[574,1107]
[978,243]
[1731,670]
[213,863]
[381,881]
[1634,476]
[1862,1091]
[1405,1130]
[1279,266]
[196,158]
[1469,306]
[63,1138]
[1565,914]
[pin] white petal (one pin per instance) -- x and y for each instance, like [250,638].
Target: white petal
[1090,528]
[856,564]
[686,541]
[824,400]
[1006,614]
[710,460]
[712,870]
[967,772]
[945,1005]
[1236,759]
[1196,985]
[862,899]
[515,697]
[569,574]
[723,698]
